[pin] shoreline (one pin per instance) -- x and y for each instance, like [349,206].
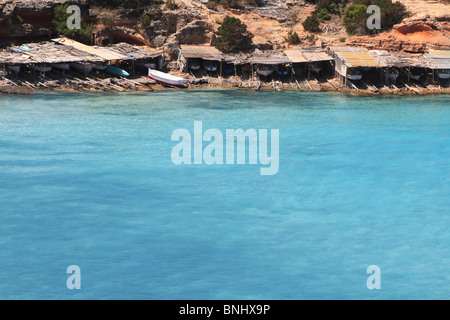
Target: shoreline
[24,86]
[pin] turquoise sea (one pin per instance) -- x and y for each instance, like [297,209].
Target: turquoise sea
[87,180]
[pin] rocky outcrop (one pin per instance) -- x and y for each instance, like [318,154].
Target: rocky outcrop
[412,35]
[195,32]
[31,20]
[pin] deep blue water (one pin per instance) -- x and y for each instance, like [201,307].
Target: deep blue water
[87,180]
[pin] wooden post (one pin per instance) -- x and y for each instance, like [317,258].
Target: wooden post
[387,76]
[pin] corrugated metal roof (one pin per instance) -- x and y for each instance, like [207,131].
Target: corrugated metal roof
[201,52]
[295,56]
[314,54]
[439,59]
[45,52]
[269,60]
[135,52]
[347,49]
[358,59]
[101,52]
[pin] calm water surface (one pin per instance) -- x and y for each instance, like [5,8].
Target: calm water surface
[87,180]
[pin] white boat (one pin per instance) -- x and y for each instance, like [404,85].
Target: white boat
[354,75]
[99,66]
[43,69]
[147,65]
[3,73]
[315,67]
[210,66]
[62,66]
[85,68]
[444,74]
[165,78]
[194,66]
[14,69]
[415,75]
[265,70]
[393,75]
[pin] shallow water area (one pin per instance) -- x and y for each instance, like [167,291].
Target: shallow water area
[87,179]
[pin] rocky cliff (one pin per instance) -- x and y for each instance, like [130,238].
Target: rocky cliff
[193,22]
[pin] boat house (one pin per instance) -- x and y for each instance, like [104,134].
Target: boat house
[350,62]
[317,60]
[439,64]
[265,64]
[194,58]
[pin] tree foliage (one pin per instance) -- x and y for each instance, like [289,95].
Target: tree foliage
[355,17]
[233,36]
[83,35]
[292,37]
[311,23]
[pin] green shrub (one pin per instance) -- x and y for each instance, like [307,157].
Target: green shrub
[311,23]
[171,5]
[145,20]
[292,37]
[324,15]
[233,36]
[107,21]
[355,18]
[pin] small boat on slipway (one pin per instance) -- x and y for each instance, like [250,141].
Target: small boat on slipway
[265,70]
[41,68]
[83,67]
[354,75]
[444,74]
[165,78]
[14,69]
[117,71]
[210,66]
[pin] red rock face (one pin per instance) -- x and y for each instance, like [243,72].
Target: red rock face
[412,35]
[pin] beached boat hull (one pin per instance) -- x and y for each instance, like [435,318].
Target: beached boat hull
[42,69]
[194,67]
[99,67]
[315,68]
[61,66]
[354,77]
[415,77]
[265,72]
[444,76]
[393,77]
[209,66]
[14,69]
[86,68]
[165,78]
[147,65]
[117,71]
